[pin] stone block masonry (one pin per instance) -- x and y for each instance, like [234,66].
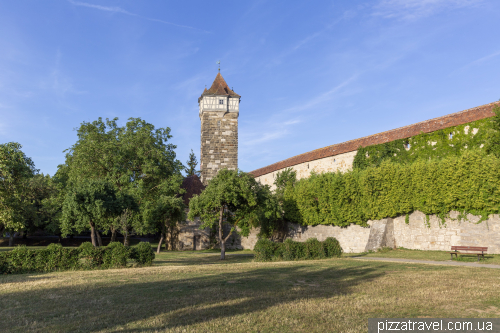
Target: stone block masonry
[219,143]
[219,111]
[395,232]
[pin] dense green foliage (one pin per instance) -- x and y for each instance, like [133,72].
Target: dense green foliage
[232,199]
[165,214]
[15,171]
[469,183]
[492,145]
[452,141]
[90,205]
[57,258]
[136,160]
[267,250]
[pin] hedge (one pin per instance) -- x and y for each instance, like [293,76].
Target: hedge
[267,250]
[57,258]
[469,183]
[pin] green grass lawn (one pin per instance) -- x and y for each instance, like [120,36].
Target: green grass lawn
[196,292]
[206,257]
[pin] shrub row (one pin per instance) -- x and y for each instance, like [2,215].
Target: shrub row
[57,258]
[469,183]
[266,250]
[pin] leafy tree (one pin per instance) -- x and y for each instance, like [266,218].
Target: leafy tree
[275,206]
[230,200]
[136,159]
[88,206]
[165,214]
[40,188]
[52,202]
[15,171]
[191,163]
[128,221]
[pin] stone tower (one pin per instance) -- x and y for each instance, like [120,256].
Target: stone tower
[219,110]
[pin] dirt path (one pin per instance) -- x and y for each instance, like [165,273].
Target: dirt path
[430,262]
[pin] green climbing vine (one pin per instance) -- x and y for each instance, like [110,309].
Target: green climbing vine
[452,141]
[468,182]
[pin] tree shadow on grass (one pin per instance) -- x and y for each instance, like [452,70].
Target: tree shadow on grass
[210,259]
[25,278]
[182,302]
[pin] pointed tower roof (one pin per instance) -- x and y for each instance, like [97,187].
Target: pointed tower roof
[219,87]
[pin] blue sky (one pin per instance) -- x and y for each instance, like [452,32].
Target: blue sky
[310,74]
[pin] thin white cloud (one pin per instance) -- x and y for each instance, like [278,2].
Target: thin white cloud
[477,62]
[279,125]
[326,96]
[104,8]
[409,10]
[292,122]
[120,10]
[265,137]
[486,58]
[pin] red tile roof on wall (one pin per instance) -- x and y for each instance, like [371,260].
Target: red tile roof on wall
[219,87]
[454,119]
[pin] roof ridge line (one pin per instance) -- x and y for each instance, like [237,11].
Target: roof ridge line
[274,166]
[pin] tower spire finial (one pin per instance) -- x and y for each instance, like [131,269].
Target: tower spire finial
[218,63]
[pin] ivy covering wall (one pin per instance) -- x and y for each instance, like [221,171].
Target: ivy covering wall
[450,141]
[468,182]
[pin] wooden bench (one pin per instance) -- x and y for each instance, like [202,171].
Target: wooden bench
[469,249]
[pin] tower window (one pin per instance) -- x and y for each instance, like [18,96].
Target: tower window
[221,101]
[218,123]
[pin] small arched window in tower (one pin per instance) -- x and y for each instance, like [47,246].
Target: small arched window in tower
[450,136]
[221,101]
[218,123]
[407,145]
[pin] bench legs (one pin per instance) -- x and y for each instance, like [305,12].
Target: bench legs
[456,255]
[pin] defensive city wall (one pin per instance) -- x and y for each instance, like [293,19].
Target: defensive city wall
[339,157]
[219,111]
[418,233]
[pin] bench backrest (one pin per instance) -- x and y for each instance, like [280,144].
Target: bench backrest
[469,248]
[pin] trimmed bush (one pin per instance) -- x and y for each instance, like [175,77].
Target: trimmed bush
[57,258]
[116,255]
[90,257]
[313,249]
[266,250]
[4,263]
[332,247]
[292,250]
[143,253]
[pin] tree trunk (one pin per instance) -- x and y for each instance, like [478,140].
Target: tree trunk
[126,240]
[99,240]
[221,238]
[113,235]
[11,239]
[92,234]
[159,244]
